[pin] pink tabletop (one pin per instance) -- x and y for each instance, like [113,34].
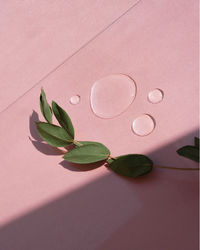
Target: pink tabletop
[47,203]
[38,36]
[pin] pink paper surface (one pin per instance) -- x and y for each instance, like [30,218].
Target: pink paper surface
[47,203]
[38,36]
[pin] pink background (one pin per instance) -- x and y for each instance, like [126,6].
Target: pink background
[65,46]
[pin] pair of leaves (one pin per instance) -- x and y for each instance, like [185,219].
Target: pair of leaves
[52,134]
[132,165]
[190,152]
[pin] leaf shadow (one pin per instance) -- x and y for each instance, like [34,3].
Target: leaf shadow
[38,143]
[81,167]
[46,149]
[32,128]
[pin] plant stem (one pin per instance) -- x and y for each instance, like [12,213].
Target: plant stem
[77,143]
[174,168]
[111,158]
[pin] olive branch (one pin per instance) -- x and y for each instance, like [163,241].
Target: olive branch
[87,152]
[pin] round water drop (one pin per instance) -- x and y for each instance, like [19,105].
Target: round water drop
[155,96]
[112,95]
[75,99]
[143,125]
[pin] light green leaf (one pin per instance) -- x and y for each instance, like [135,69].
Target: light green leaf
[196,142]
[63,119]
[131,165]
[190,152]
[45,108]
[53,135]
[89,152]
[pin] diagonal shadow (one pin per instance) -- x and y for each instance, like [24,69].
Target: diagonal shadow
[81,167]
[152,212]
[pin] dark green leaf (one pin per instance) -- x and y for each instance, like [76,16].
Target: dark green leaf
[63,119]
[89,152]
[53,135]
[45,108]
[131,165]
[196,142]
[190,152]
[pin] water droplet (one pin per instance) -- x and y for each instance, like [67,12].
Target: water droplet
[143,125]
[155,96]
[112,95]
[75,99]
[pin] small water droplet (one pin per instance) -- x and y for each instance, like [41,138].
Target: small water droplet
[112,95]
[143,125]
[75,99]
[155,96]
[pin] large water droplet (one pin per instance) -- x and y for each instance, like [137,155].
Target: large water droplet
[143,125]
[75,99]
[155,96]
[112,95]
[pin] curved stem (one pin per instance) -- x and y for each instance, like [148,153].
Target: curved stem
[174,168]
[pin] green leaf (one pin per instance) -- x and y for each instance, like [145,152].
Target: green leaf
[53,135]
[196,142]
[131,165]
[190,152]
[81,143]
[45,108]
[89,152]
[63,119]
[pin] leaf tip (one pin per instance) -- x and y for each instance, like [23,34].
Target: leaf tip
[64,157]
[53,103]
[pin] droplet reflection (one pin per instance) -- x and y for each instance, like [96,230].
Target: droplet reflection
[155,96]
[74,99]
[143,125]
[112,95]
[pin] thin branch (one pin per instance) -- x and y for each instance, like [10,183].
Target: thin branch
[174,168]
